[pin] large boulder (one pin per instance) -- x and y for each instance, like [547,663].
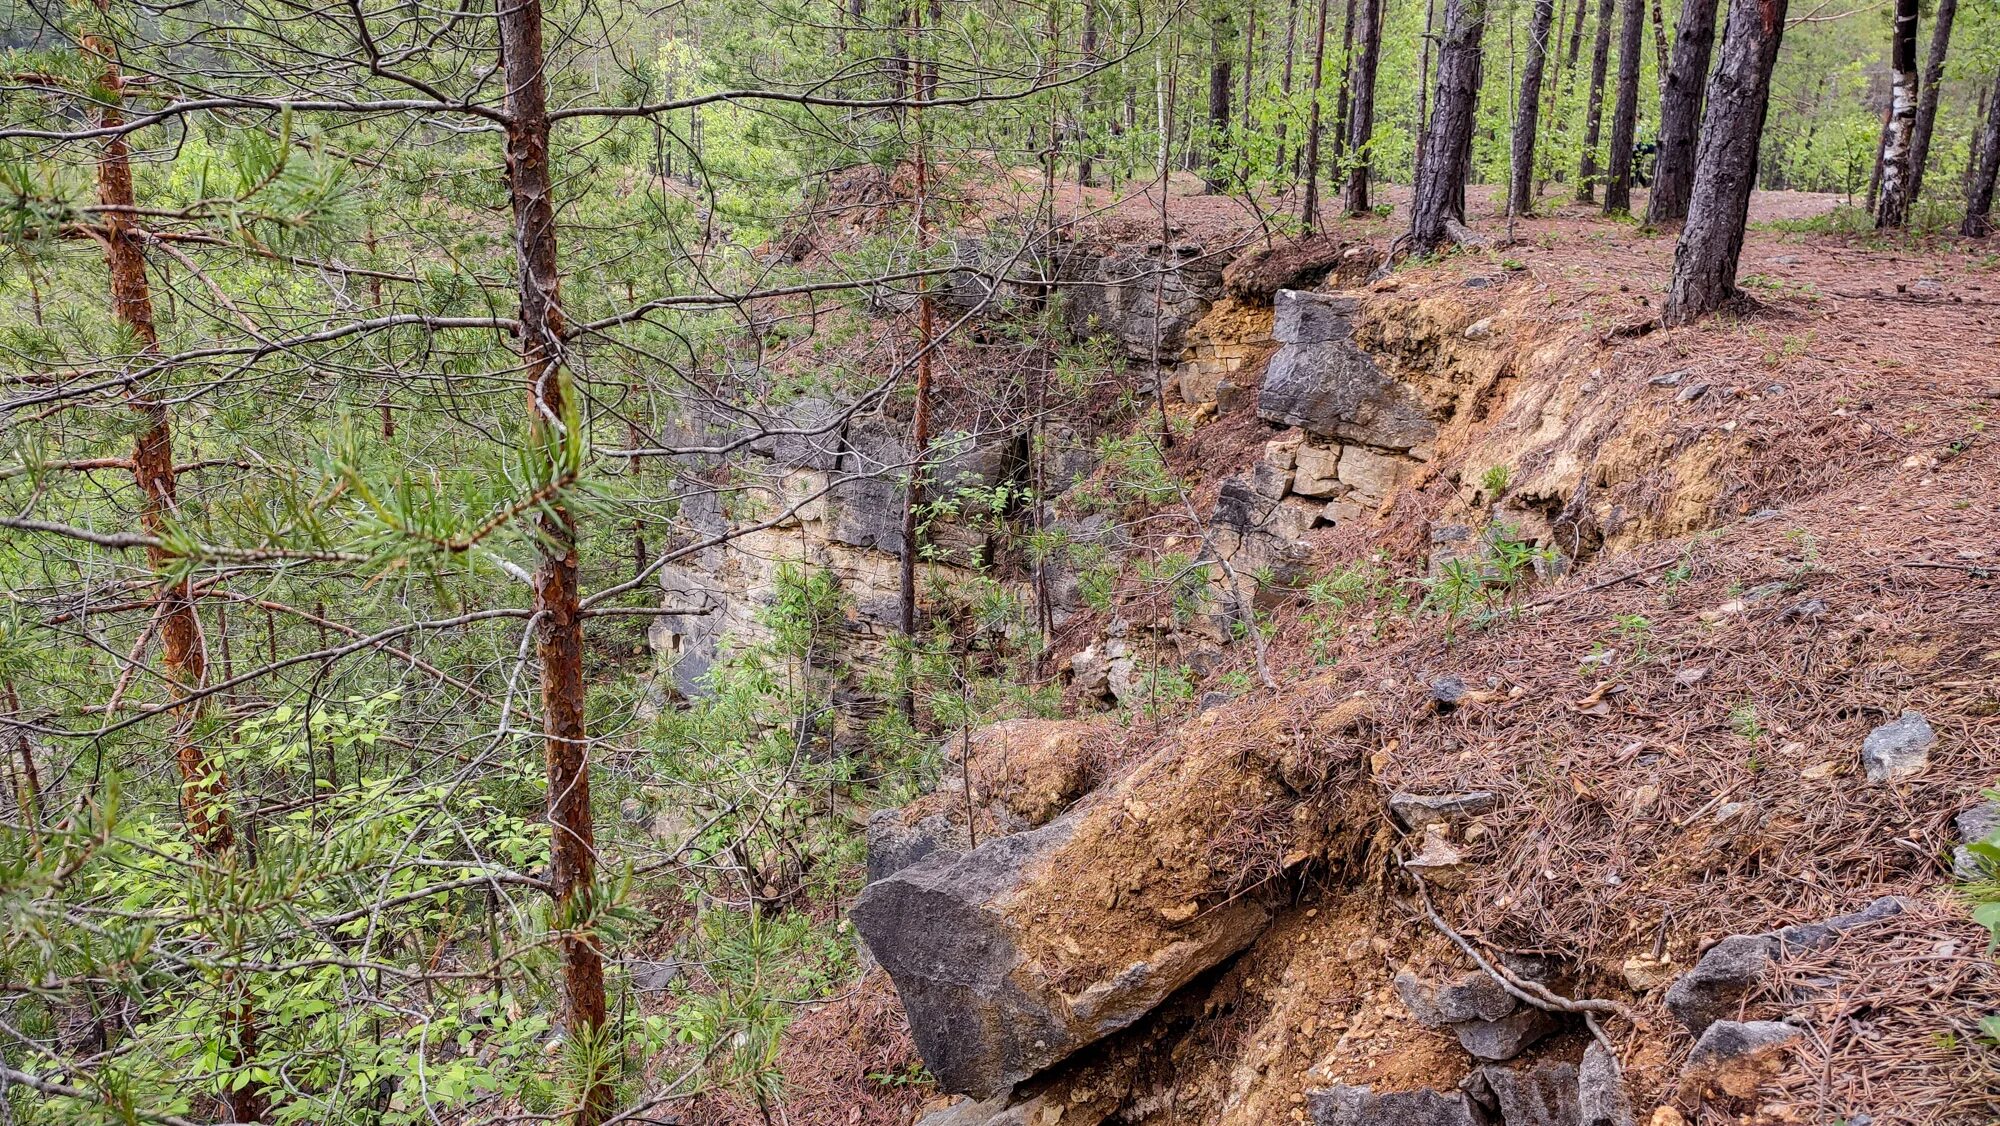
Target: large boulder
[1013,956]
[1322,381]
[986,1014]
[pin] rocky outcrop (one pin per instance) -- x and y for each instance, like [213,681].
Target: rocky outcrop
[1145,298]
[1301,263]
[1321,381]
[985,1012]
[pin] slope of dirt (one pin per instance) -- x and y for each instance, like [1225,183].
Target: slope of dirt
[1778,532]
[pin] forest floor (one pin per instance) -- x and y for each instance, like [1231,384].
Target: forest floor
[1857,387]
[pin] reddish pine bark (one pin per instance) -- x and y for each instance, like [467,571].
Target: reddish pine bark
[557,601]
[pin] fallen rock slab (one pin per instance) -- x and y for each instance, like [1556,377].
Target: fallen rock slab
[984,1013]
[1505,1038]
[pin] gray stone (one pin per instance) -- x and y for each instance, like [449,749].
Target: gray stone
[1691,392]
[1505,1038]
[1414,811]
[1320,380]
[1241,506]
[1447,692]
[960,460]
[1717,985]
[986,1015]
[653,977]
[865,503]
[1269,481]
[1361,1106]
[807,435]
[1542,1096]
[688,637]
[1974,826]
[1898,749]
[894,845]
[1602,1099]
[1472,997]
[1118,294]
[1735,1058]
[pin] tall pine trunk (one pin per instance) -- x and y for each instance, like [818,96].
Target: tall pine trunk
[1979,200]
[1447,144]
[1361,119]
[1309,211]
[1528,112]
[1927,97]
[1680,112]
[1600,60]
[1286,161]
[552,413]
[1340,97]
[1625,113]
[1892,204]
[1739,96]
[204,783]
[920,426]
[1220,67]
[1087,100]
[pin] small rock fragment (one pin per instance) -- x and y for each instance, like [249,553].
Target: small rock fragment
[1974,826]
[1691,392]
[1543,1096]
[1898,749]
[1645,973]
[1475,996]
[1505,1038]
[1735,1058]
[1717,984]
[1437,860]
[1416,811]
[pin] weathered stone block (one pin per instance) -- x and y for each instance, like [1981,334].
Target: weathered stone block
[984,1014]
[1317,472]
[1372,475]
[1322,381]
